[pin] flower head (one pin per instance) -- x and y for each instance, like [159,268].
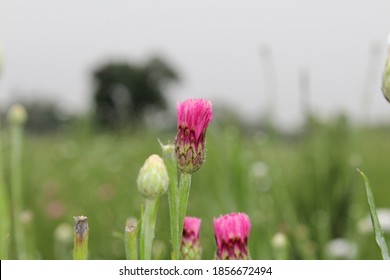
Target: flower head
[231,235]
[190,247]
[17,114]
[153,177]
[194,116]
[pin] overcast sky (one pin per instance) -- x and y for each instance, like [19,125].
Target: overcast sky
[50,48]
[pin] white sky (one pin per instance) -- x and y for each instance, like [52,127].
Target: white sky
[50,48]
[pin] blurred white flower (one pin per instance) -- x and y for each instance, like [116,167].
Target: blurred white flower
[279,240]
[259,169]
[341,248]
[365,224]
[64,233]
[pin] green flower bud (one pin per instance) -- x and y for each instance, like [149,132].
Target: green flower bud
[153,178]
[386,74]
[17,114]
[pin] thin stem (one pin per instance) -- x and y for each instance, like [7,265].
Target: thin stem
[81,236]
[184,193]
[173,198]
[131,230]
[5,221]
[16,187]
[147,228]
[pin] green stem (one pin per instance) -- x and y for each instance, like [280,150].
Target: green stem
[147,228]
[173,198]
[5,221]
[184,193]
[16,187]
[81,236]
[131,230]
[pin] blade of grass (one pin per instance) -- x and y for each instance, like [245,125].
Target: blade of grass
[379,236]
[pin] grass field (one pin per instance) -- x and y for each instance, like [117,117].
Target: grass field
[304,186]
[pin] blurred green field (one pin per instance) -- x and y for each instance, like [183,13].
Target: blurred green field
[304,185]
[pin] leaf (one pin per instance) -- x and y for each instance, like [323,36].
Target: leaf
[379,236]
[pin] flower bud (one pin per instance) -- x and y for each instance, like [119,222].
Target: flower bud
[153,178]
[231,235]
[190,247]
[386,74]
[17,114]
[193,118]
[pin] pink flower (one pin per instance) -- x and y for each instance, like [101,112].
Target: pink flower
[190,248]
[231,235]
[193,118]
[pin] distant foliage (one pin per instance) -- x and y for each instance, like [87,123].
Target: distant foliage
[125,91]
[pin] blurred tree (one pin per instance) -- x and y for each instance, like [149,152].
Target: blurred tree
[125,91]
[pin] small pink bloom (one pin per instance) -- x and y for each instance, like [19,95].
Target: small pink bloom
[193,118]
[190,247]
[191,228]
[231,235]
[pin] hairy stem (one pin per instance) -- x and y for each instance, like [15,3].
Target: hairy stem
[184,193]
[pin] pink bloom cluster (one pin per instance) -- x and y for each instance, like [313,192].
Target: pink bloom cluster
[231,235]
[193,118]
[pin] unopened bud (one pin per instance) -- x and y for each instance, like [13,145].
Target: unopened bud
[386,74]
[193,118]
[153,178]
[17,114]
[190,247]
[231,233]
